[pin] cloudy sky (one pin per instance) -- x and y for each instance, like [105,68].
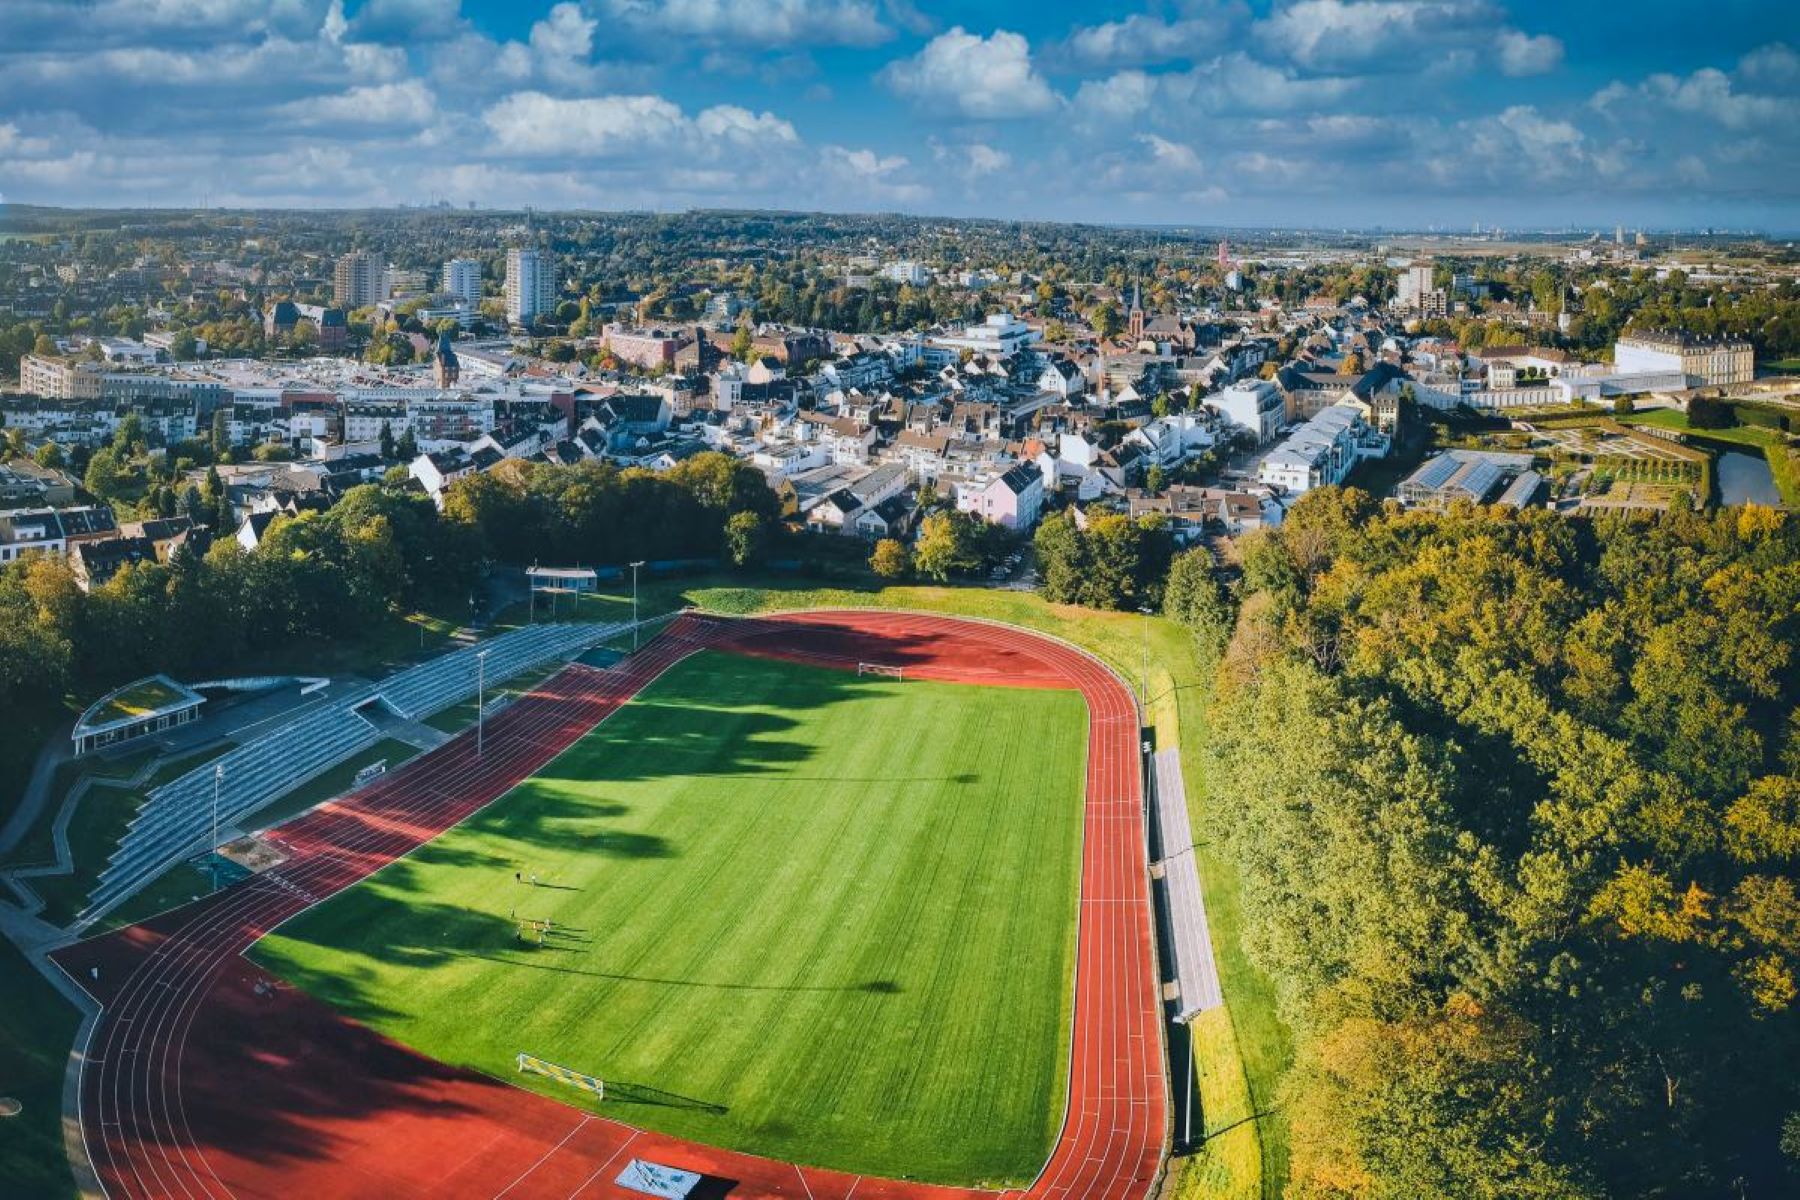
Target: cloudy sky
[1307,112]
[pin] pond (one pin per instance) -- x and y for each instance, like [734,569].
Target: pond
[1745,479]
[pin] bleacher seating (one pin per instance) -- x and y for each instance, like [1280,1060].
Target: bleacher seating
[1195,971]
[176,818]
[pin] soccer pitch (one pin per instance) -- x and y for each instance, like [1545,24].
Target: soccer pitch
[793,912]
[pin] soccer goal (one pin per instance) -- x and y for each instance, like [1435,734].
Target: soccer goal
[562,1074]
[863,668]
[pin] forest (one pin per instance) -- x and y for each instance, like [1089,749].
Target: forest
[1515,803]
[338,576]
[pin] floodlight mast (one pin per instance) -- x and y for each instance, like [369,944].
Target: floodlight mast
[634,605]
[480,702]
[218,782]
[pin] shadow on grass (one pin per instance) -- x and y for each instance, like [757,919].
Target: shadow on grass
[874,987]
[619,1092]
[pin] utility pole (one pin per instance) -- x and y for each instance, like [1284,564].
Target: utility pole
[480,701]
[634,605]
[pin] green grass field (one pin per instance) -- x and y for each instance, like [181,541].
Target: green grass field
[1242,1058]
[796,912]
[36,1026]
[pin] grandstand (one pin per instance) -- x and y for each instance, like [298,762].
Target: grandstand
[176,819]
[1195,971]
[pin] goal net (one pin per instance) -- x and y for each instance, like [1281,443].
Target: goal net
[575,1079]
[865,668]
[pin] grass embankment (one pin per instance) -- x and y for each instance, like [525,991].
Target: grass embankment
[100,819]
[814,916]
[36,1027]
[1244,1050]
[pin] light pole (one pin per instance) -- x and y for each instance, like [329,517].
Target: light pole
[480,701]
[634,608]
[212,862]
[1145,610]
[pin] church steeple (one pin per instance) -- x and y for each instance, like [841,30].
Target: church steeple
[1134,321]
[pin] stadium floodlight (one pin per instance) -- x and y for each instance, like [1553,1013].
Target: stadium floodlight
[1145,609]
[480,701]
[634,608]
[212,859]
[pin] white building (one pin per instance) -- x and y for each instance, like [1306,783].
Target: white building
[359,280]
[1253,404]
[907,272]
[1414,284]
[1323,451]
[1705,361]
[462,279]
[1000,336]
[530,284]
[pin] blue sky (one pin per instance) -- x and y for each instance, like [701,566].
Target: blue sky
[1301,112]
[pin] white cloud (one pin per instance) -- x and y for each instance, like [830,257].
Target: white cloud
[408,103]
[970,160]
[763,23]
[407,22]
[532,123]
[1522,54]
[1775,63]
[869,176]
[1171,156]
[1141,39]
[1233,84]
[566,32]
[1708,93]
[989,78]
[1396,35]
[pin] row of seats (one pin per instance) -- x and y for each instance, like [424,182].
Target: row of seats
[176,818]
[449,679]
[1196,973]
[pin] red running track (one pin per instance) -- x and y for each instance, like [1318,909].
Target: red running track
[208,1078]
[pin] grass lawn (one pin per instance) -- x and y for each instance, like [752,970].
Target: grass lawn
[99,821]
[1243,1056]
[804,914]
[36,1027]
[1742,435]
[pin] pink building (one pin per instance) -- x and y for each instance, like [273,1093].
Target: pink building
[1012,499]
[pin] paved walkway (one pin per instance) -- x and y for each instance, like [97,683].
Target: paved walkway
[57,750]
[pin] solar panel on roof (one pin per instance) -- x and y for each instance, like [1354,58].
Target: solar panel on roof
[1437,472]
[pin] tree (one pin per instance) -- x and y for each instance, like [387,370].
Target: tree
[744,535]
[387,442]
[949,544]
[1194,597]
[221,433]
[44,346]
[105,476]
[1155,479]
[741,344]
[408,445]
[50,455]
[891,559]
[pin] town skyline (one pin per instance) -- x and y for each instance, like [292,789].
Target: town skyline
[1322,114]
